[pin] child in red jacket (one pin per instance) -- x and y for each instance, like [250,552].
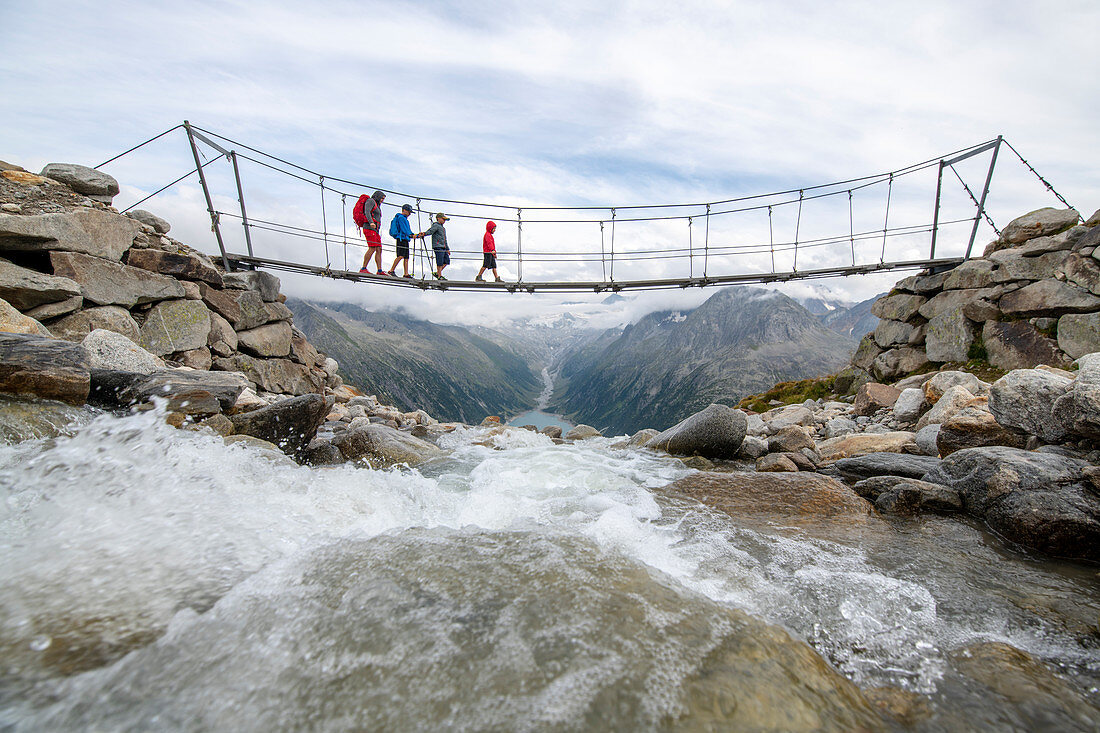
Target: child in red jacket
[489,254]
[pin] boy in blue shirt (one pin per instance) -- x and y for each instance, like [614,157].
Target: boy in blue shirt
[402,233]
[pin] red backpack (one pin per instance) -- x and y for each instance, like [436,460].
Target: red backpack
[359,213]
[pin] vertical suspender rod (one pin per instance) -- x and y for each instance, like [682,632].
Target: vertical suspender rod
[936,212]
[240,198]
[985,192]
[209,202]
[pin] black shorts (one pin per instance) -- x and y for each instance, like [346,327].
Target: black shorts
[489,260]
[403,248]
[442,256]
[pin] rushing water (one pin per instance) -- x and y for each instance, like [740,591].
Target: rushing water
[153,578]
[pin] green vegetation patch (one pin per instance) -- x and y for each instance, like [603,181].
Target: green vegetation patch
[790,393]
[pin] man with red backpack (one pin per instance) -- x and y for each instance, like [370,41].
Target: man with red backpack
[367,215]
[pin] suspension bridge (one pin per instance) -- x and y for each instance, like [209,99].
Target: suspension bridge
[827,230]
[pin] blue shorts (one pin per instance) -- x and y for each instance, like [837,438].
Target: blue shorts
[442,257]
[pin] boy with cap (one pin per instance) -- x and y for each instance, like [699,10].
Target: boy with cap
[402,233]
[489,253]
[439,244]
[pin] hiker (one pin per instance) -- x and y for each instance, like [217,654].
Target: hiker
[488,254]
[439,244]
[372,223]
[401,233]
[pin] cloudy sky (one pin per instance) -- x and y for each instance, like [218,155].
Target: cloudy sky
[567,105]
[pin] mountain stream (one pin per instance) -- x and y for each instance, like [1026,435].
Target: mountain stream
[158,579]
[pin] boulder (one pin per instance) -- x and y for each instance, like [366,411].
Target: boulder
[1055,243]
[46,311]
[23,418]
[923,284]
[175,264]
[43,367]
[953,400]
[272,339]
[1079,408]
[1083,272]
[776,462]
[25,289]
[910,404]
[12,321]
[926,440]
[752,447]
[1049,297]
[76,326]
[873,397]
[187,390]
[909,496]
[981,310]
[848,379]
[839,426]
[252,310]
[221,302]
[1019,345]
[301,350]
[1013,265]
[899,307]
[896,363]
[858,468]
[111,283]
[554,431]
[160,226]
[950,300]
[789,496]
[1038,500]
[281,376]
[380,446]
[277,312]
[175,325]
[865,354]
[582,432]
[1024,398]
[222,339]
[864,443]
[790,439]
[969,275]
[974,427]
[88,231]
[110,350]
[781,417]
[199,358]
[1039,223]
[264,283]
[1079,334]
[290,424]
[88,181]
[948,336]
[897,333]
[714,432]
[940,382]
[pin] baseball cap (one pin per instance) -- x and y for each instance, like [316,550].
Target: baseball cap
[445,217]
[406,207]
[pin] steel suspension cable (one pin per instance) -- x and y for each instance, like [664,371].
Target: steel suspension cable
[189,173]
[141,145]
[977,204]
[1044,181]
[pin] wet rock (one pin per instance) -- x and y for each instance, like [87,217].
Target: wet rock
[219,423]
[1049,297]
[949,336]
[88,181]
[1024,399]
[786,495]
[110,350]
[864,443]
[873,397]
[272,339]
[322,453]
[25,289]
[714,432]
[1019,345]
[383,447]
[111,283]
[975,427]
[188,391]
[264,283]
[582,432]
[175,325]
[290,424]
[179,265]
[858,468]
[775,462]
[907,708]
[12,321]
[160,226]
[910,404]
[1038,500]
[88,231]
[43,367]
[554,431]
[24,418]
[1039,223]
[1079,334]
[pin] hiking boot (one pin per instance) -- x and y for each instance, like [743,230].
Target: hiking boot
[500,279]
[408,276]
[391,273]
[479,279]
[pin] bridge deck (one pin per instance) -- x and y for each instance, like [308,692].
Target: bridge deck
[247,262]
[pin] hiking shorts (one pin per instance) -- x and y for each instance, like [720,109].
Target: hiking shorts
[403,248]
[442,257]
[489,260]
[372,237]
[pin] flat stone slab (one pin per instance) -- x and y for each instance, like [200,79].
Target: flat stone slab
[103,282]
[808,496]
[25,288]
[44,367]
[88,231]
[858,468]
